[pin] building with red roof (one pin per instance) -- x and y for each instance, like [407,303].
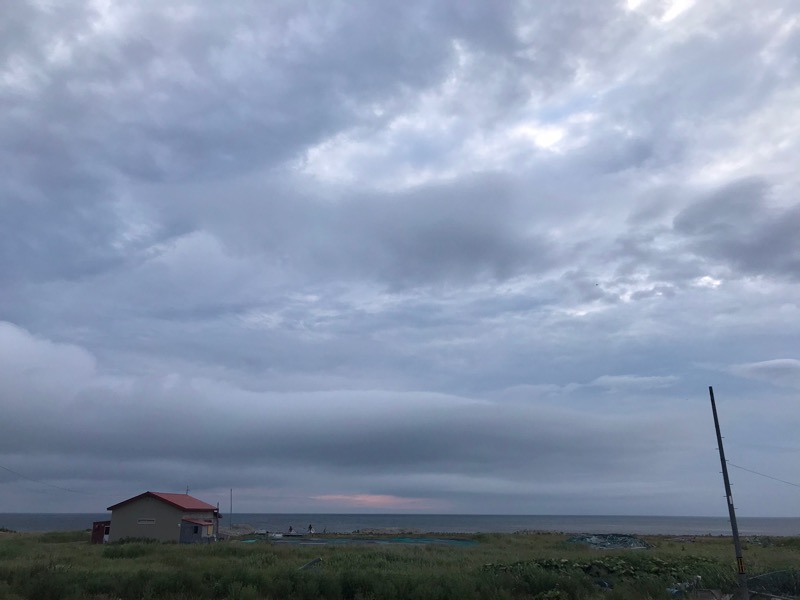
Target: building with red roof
[164,517]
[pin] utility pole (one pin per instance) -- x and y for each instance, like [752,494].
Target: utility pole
[231,525]
[743,593]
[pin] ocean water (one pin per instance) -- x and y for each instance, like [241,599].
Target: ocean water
[349,523]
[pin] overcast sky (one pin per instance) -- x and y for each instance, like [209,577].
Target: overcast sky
[434,256]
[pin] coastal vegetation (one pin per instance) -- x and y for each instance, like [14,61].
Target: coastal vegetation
[64,566]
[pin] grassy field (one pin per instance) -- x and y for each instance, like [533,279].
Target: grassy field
[65,566]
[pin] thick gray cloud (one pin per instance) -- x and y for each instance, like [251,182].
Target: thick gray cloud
[737,227]
[399,256]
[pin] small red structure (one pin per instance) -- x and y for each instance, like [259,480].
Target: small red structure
[100,531]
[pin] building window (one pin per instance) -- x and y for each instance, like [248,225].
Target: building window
[196,529]
[146,522]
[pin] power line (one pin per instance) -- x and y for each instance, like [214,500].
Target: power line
[763,475]
[58,487]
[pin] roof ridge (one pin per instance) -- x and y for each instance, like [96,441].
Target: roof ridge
[175,499]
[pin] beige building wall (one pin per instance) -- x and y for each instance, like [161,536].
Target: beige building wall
[147,518]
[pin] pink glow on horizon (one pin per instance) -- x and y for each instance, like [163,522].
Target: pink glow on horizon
[378,501]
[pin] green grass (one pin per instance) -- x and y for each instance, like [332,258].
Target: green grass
[64,566]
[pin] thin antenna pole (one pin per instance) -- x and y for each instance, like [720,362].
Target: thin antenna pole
[743,593]
[231,525]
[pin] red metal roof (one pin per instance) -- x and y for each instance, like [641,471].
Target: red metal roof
[183,501]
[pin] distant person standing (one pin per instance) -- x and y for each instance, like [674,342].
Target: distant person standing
[311,530]
[291,529]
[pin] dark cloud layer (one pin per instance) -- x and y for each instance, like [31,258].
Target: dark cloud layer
[408,256]
[736,227]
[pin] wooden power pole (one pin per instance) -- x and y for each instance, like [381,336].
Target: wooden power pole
[743,593]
